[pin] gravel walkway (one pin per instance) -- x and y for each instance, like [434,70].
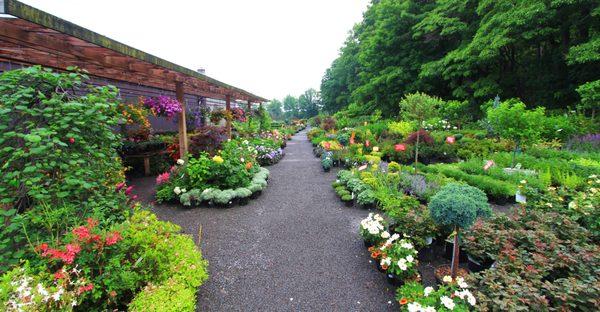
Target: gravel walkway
[295,248]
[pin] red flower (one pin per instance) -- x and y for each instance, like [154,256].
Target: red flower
[113,238]
[82,232]
[85,288]
[399,147]
[43,247]
[59,275]
[71,140]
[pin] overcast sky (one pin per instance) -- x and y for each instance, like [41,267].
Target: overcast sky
[268,47]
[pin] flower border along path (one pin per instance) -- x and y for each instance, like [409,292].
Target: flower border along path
[294,248]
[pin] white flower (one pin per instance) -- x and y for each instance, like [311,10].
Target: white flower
[447,302]
[402,266]
[177,190]
[57,294]
[180,162]
[447,279]
[407,245]
[183,190]
[395,237]
[523,181]
[410,258]
[428,309]
[471,299]
[242,159]
[385,234]
[461,282]
[377,217]
[428,290]
[386,261]
[414,307]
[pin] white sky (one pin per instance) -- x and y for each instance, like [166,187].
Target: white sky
[268,47]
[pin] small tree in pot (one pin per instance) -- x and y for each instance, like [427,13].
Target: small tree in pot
[458,206]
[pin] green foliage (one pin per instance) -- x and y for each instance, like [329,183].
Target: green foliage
[58,157]
[169,296]
[401,128]
[511,120]
[419,107]
[590,95]
[457,205]
[537,50]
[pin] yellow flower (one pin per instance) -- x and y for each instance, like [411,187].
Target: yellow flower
[218,159]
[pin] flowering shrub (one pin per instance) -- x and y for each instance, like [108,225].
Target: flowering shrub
[414,297]
[372,229]
[399,258]
[268,156]
[59,156]
[208,139]
[238,114]
[163,106]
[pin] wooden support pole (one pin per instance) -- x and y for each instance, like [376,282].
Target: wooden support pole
[183,140]
[249,106]
[228,109]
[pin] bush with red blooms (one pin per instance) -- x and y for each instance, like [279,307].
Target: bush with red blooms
[90,262]
[424,137]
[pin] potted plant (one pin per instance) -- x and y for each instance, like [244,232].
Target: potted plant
[458,206]
[413,296]
[348,200]
[372,229]
[403,262]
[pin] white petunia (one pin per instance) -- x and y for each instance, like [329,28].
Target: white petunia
[471,299]
[428,290]
[447,302]
[402,266]
[407,245]
[414,307]
[385,234]
[410,258]
[177,190]
[461,282]
[428,309]
[386,261]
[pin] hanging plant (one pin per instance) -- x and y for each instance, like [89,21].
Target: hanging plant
[163,106]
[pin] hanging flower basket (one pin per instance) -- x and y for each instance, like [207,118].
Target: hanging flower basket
[163,106]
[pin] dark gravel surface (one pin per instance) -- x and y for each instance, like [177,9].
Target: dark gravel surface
[295,248]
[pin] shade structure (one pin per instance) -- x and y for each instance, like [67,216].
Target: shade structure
[29,36]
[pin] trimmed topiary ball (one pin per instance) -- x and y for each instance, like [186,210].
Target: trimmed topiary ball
[459,205]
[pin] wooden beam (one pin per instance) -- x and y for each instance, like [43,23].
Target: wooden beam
[183,140]
[228,109]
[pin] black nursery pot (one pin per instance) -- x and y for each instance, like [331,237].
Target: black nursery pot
[476,265]
[427,253]
[393,280]
[462,256]
[378,265]
[368,244]
[255,194]
[243,201]
[349,203]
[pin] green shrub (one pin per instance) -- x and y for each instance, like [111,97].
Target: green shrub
[58,156]
[169,296]
[458,205]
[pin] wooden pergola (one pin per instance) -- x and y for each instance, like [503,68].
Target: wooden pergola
[33,37]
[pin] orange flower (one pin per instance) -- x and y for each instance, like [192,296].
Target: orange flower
[384,267]
[403,301]
[248,165]
[374,255]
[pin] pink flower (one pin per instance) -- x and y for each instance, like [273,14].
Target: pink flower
[85,288]
[120,186]
[163,178]
[129,190]
[82,232]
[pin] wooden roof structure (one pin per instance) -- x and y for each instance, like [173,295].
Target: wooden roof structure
[38,38]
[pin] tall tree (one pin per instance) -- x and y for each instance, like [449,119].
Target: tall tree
[309,103]
[290,106]
[275,109]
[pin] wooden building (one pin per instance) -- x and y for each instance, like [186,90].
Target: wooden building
[29,36]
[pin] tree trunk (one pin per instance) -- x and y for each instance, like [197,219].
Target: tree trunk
[417,149]
[455,255]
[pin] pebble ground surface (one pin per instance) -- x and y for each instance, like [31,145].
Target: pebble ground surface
[295,248]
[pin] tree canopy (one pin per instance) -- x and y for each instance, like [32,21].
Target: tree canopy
[468,50]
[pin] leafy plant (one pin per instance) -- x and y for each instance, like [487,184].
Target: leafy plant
[458,206]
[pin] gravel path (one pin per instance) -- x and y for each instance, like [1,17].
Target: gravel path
[295,248]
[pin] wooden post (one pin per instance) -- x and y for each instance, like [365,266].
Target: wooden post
[249,106]
[183,140]
[228,109]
